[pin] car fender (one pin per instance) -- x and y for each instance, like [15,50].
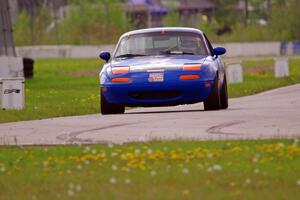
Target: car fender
[211,67]
[103,72]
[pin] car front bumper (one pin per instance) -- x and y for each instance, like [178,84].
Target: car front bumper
[158,94]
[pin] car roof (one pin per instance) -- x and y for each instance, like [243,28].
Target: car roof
[169,29]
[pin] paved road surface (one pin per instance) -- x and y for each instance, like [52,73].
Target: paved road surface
[271,114]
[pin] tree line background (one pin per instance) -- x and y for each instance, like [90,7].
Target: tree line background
[103,21]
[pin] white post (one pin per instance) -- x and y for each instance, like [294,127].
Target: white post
[11,83]
[281,67]
[234,73]
[11,67]
[12,93]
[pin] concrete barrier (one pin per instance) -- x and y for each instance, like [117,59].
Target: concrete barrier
[251,48]
[92,51]
[62,51]
[89,51]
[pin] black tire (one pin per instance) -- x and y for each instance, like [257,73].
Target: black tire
[108,108]
[214,101]
[224,95]
[28,67]
[28,74]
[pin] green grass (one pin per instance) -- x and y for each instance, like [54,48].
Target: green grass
[60,87]
[66,87]
[263,169]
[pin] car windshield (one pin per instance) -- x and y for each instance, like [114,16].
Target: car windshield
[161,43]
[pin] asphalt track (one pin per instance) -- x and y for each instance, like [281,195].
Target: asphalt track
[271,114]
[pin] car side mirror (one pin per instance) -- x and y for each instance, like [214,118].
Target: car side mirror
[105,56]
[219,51]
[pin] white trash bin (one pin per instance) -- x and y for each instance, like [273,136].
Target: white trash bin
[12,93]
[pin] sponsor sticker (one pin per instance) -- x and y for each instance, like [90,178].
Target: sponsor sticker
[9,91]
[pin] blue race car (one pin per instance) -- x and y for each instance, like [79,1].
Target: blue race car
[163,67]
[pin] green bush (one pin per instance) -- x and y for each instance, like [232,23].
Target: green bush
[103,21]
[285,21]
[21,27]
[250,33]
[96,22]
[32,31]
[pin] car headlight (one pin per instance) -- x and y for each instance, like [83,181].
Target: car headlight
[103,78]
[108,70]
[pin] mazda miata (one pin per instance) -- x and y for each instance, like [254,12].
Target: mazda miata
[163,67]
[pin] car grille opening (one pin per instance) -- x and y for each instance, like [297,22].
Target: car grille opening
[155,94]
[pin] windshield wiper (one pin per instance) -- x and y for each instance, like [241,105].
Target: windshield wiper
[177,53]
[129,55]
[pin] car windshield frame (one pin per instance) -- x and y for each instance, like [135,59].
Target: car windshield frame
[157,38]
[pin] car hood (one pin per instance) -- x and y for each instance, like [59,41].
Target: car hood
[157,62]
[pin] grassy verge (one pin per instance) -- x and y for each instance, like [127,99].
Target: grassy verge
[60,87]
[259,77]
[65,87]
[265,169]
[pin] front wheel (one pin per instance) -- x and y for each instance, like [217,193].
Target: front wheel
[109,108]
[224,95]
[214,101]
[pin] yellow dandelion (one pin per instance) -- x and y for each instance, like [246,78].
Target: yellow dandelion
[185,192]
